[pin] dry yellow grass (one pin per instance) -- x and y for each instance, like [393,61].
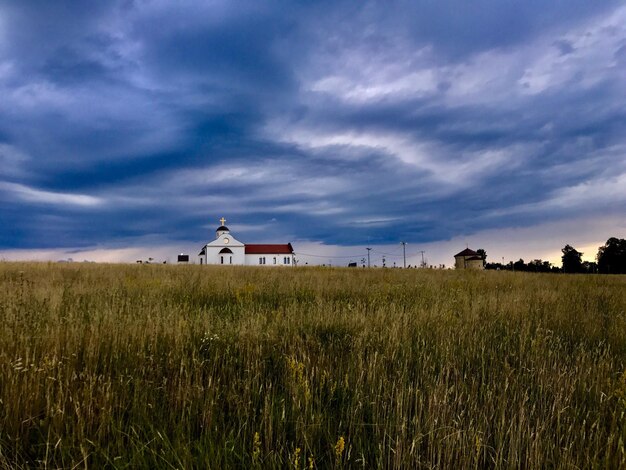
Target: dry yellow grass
[183,367]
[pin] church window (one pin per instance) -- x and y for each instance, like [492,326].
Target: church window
[274,259]
[221,259]
[231,260]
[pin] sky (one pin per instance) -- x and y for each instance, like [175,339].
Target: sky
[129,128]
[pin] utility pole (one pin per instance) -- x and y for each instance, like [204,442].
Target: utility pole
[404,253]
[368,257]
[423,263]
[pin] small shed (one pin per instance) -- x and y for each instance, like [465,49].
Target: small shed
[468,259]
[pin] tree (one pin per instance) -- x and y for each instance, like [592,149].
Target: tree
[539,266]
[483,254]
[590,267]
[612,256]
[520,265]
[572,260]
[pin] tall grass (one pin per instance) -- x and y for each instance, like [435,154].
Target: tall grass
[238,367]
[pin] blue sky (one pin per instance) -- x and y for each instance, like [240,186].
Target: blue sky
[130,127]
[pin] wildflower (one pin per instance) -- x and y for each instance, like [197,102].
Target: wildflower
[339,446]
[311,463]
[296,458]
[256,447]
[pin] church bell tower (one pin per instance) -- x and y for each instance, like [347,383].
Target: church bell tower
[222,229]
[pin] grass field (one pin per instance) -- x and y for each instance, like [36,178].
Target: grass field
[135,366]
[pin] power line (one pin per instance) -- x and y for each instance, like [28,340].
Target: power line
[326,256]
[404,255]
[393,253]
[356,255]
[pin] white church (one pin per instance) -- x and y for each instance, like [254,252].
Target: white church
[226,249]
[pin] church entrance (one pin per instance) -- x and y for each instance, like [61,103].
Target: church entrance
[226,253]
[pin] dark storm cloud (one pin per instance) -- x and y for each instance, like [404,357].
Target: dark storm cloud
[334,121]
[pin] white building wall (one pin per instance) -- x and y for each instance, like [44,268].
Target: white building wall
[239,257]
[213,255]
[253,260]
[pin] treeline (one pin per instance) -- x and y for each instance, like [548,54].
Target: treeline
[610,259]
[537,265]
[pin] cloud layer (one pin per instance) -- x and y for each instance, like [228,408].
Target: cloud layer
[334,122]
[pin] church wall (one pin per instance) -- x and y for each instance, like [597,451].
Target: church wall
[253,260]
[213,255]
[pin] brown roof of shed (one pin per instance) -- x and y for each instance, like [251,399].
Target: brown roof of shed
[260,249]
[467,252]
[474,258]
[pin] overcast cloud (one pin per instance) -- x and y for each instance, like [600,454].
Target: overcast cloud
[130,125]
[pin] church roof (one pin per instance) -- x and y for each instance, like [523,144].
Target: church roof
[467,252]
[258,249]
[222,228]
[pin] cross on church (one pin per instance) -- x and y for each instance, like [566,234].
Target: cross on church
[223,220]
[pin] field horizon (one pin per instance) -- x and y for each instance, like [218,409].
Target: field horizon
[165,366]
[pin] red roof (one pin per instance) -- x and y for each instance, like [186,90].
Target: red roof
[466,252]
[286,249]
